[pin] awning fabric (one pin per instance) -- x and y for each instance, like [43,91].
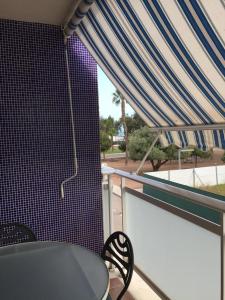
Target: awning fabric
[78,15]
[168,60]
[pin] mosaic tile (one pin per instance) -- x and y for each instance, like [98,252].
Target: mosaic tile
[36,137]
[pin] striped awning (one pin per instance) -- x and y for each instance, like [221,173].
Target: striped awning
[168,60]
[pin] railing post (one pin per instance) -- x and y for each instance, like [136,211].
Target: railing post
[106,202]
[193,177]
[110,184]
[110,212]
[223,258]
[217,181]
[123,203]
[179,158]
[107,205]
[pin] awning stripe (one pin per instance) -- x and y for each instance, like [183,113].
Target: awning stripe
[136,57]
[222,138]
[167,59]
[107,66]
[181,139]
[158,58]
[215,13]
[182,54]
[126,70]
[193,44]
[204,140]
[78,15]
[171,138]
[208,27]
[184,138]
[207,36]
[216,140]
[167,137]
[196,134]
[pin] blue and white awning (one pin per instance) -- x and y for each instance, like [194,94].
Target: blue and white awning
[168,60]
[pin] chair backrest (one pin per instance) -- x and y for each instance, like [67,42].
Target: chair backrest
[118,251]
[15,233]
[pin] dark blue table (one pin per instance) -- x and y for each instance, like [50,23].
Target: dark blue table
[51,271]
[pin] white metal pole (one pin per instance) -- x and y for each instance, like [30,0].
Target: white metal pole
[123,204]
[217,181]
[193,177]
[223,257]
[179,158]
[110,185]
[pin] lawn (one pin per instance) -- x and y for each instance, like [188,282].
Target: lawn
[216,189]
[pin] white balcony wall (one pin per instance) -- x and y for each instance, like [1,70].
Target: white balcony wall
[184,177]
[221,174]
[181,258]
[205,176]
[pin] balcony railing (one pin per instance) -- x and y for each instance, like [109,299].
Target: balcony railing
[179,253]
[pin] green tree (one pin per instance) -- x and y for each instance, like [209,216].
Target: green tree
[118,99]
[105,142]
[198,153]
[223,157]
[110,126]
[134,122]
[122,146]
[140,141]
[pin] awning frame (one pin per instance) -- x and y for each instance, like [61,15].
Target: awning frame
[189,128]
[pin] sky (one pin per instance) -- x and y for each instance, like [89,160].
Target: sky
[105,92]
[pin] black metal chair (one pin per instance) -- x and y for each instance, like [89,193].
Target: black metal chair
[15,233]
[118,251]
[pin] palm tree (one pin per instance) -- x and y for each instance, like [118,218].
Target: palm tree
[118,99]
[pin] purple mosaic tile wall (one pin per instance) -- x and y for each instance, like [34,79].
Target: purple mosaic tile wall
[36,140]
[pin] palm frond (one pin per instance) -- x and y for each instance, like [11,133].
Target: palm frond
[117,97]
